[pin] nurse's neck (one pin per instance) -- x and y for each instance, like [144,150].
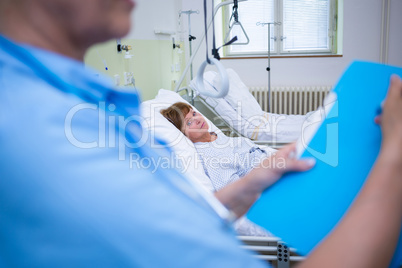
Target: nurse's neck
[35,28]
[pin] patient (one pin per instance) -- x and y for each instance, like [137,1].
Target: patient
[225,159]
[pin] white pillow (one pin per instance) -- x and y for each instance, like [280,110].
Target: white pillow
[159,126]
[227,111]
[239,97]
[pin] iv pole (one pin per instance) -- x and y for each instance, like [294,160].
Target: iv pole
[190,37]
[190,40]
[269,58]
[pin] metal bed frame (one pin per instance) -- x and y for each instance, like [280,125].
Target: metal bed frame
[271,249]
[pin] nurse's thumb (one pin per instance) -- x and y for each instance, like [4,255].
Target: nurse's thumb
[301,164]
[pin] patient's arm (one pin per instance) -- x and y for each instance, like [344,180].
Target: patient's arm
[241,195]
[368,234]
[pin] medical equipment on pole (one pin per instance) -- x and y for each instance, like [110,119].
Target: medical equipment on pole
[236,22]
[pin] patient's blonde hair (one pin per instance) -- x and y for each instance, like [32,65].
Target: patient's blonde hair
[176,114]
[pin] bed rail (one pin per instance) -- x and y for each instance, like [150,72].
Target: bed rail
[271,249]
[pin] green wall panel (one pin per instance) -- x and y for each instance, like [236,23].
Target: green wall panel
[151,63]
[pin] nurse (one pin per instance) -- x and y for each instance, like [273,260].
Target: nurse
[69,198]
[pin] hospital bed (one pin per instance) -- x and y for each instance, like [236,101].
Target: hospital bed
[268,248]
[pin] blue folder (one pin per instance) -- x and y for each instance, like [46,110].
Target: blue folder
[302,208]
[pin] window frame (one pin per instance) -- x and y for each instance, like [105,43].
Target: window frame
[278,50]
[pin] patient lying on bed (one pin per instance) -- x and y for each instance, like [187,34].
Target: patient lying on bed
[225,159]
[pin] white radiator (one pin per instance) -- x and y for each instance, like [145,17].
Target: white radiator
[291,100]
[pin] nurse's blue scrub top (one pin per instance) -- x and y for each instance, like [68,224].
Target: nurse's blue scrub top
[74,196]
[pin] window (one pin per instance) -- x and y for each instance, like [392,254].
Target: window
[297,27]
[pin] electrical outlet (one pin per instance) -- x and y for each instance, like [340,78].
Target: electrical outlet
[173,85]
[128,78]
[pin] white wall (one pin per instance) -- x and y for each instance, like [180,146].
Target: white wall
[395,38]
[361,35]
[149,15]
[362,31]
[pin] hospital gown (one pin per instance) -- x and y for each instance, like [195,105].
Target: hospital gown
[73,195]
[227,159]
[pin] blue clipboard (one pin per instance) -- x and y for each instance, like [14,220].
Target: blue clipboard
[302,208]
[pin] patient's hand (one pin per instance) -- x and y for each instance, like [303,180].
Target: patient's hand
[272,168]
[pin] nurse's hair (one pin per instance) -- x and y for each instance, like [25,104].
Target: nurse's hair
[176,114]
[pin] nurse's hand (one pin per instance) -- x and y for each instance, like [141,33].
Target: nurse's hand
[241,195]
[272,168]
[391,117]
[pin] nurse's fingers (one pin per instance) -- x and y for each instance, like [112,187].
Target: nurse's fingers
[395,87]
[289,151]
[391,118]
[300,164]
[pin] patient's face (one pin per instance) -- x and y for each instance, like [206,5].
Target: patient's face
[195,126]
